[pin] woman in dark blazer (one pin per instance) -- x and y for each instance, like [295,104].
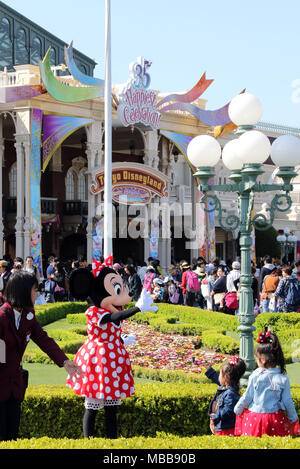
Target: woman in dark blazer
[18,325]
[134,282]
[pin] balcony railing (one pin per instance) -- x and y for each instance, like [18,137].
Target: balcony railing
[75,207]
[49,206]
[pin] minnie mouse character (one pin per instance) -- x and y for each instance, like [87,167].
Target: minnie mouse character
[108,376]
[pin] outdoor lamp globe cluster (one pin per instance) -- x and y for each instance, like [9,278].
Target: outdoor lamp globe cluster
[244,156]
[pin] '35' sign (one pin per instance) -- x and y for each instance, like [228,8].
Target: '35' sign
[140,76]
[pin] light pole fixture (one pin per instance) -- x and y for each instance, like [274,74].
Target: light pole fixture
[288,241]
[244,156]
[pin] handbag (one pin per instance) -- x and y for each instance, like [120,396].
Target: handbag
[272,304]
[205,288]
[231,300]
[49,286]
[218,298]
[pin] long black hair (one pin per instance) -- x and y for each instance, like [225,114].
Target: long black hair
[17,292]
[271,349]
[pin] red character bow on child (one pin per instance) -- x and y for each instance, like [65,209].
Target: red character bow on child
[233,360]
[263,336]
[98,266]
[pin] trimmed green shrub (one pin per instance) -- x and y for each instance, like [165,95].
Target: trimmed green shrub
[160,442]
[52,312]
[56,412]
[220,343]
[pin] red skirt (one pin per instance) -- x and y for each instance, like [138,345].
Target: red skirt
[275,424]
[229,432]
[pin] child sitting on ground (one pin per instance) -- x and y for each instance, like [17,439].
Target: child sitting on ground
[221,409]
[260,411]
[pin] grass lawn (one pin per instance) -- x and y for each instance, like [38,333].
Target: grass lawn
[52,375]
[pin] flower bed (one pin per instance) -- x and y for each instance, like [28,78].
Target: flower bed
[167,351]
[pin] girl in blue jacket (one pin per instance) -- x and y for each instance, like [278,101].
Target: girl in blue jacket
[221,409]
[267,407]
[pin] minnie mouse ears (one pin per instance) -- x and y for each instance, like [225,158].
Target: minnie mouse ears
[81,284]
[84,283]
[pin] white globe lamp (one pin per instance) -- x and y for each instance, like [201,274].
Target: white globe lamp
[254,147]
[204,151]
[285,151]
[230,157]
[245,109]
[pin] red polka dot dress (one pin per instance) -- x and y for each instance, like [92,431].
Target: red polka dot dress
[105,363]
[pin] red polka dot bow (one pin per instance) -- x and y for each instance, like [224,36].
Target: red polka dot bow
[263,337]
[233,360]
[98,266]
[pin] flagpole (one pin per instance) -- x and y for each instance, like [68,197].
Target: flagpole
[108,214]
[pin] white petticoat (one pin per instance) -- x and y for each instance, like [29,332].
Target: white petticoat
[96,404]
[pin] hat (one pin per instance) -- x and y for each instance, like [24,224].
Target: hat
[168,279]
[117,266]
[236,265]
[158,280]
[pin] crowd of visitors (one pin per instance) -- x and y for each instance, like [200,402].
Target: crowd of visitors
[214,286]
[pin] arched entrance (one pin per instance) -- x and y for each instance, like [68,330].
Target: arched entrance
[73,246]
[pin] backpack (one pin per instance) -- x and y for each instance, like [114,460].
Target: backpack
[148,281]
[174,298]
[292,292]
[192,282]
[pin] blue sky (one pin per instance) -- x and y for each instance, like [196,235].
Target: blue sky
[253,45]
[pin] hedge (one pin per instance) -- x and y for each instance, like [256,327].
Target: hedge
[161,441]
[181,409]
[52,312]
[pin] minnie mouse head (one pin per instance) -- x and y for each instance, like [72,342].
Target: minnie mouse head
[103,287]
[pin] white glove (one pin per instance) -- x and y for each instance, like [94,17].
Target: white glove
[128,339]
[145,303]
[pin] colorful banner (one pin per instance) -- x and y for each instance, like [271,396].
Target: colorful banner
[98,238]
[18,93]
[191,95]
[66,93]
[76,73]
[154,238]
[211,236]
[201,227]
[181,141]
[35,191]
[56,129]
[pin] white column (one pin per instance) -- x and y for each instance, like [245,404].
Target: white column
[151,157]
[108,215]
[2,149]
[20,197]
[91,204]
[94,155]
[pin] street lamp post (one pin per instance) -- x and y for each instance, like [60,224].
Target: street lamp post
[244,156]
[287,241]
